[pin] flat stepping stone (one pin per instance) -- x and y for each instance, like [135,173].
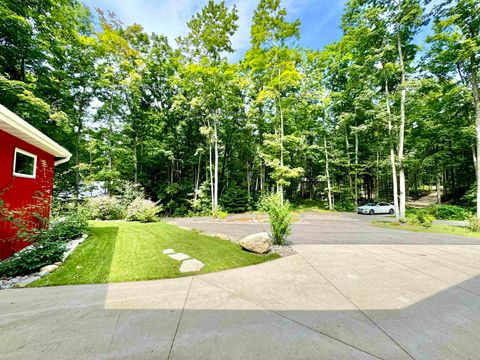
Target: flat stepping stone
[191,265]
[179,256]
[168,251]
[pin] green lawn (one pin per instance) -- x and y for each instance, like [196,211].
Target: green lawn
[121,251]
[438,229]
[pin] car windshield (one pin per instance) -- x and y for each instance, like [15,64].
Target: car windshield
[370,204]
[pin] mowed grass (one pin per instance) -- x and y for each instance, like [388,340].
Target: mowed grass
[437,229]
[121,251]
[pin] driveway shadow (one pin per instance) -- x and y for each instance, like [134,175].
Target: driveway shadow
[298,307]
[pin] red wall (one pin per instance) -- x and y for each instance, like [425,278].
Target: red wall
[23,194]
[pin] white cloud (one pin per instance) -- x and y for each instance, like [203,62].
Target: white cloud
[169,17]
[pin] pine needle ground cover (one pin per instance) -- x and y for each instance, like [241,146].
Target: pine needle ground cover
[121,251]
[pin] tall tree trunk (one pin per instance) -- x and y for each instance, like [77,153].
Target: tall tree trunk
[77,161]
[356,168]
[401,134]
[439,191]
[210,169]
[327,174]
[197,178]
[110,132]
[135,160]
[392,152]
[262,178]
[349,163]
[249,180]
[216,184]
[280,188]
[476,100]
[474,157]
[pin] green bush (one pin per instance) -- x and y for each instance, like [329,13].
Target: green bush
[421,217]
[469,199]
[473,223]
[104,208]
[346,202]
[280,216]
[441,212]
[220,214]
[450,212]
[48,247]
[143,210]
[235,199]
[67,228]
[32,259]
[202,205]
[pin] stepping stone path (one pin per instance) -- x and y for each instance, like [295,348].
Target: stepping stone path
[179,256]
[190,265]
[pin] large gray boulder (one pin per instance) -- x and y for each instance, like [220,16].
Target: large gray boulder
[259,243]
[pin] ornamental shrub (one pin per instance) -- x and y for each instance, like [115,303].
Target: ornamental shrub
[104,208]
[473,223]
[32,259]
[48,247]
[143,210]
[421,217]
[234,199]
[450,212]
[66,228]
[280,216]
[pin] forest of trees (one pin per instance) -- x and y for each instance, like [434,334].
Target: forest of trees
[380,112]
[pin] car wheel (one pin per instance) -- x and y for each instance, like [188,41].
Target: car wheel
[391,211]
[372,212]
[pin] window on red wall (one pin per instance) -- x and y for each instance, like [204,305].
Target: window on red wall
[24,164]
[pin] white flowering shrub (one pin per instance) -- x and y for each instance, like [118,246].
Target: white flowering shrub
[143,210]
[104,208]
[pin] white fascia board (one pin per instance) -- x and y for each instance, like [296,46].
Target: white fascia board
[16,126]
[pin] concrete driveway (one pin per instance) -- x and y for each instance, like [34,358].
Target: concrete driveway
[329,301]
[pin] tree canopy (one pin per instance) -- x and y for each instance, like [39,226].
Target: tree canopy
[374,116]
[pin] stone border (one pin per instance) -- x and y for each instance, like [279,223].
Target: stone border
[22,281]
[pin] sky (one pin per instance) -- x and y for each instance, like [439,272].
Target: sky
[320,18]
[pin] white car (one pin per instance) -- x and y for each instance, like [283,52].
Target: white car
[379,208]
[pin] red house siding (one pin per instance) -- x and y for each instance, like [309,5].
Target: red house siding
[21,193]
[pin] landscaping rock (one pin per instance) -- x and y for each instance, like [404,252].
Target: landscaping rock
[179,256]
[49,268]
[191,265]
[58,263]
[168,251]
[43,273]
[259,243]
[26,281]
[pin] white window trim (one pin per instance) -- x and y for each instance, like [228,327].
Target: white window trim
[18,150]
